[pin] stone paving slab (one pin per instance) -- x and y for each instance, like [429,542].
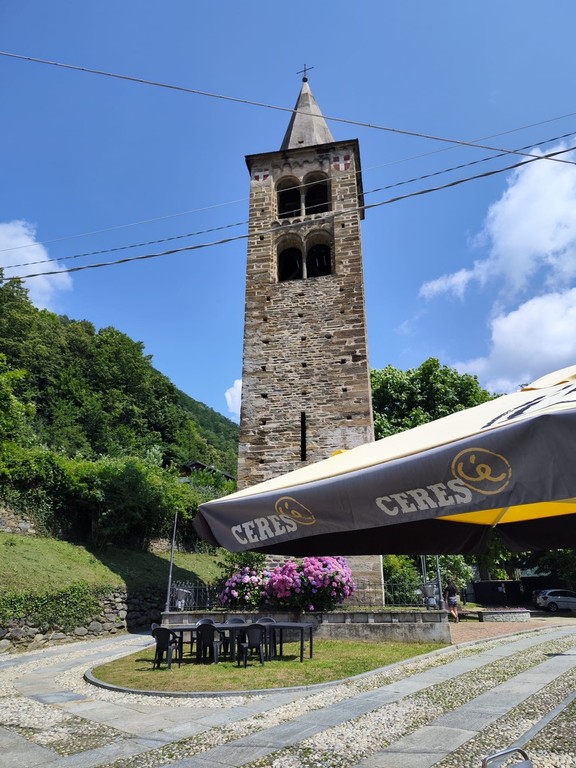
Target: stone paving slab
[13,746]
[428,745]
[421,749]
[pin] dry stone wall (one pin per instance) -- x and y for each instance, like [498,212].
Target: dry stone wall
[10,522]
[118,612]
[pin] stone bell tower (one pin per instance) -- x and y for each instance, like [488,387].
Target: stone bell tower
[306,379]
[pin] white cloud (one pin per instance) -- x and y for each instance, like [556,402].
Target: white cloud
[455,283]
[530,268]
[18,246]
[233,397]
[537,337]
[530,232]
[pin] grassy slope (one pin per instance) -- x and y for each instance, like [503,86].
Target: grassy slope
[38,564]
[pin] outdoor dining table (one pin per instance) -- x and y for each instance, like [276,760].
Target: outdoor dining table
[301,626]
[234,629]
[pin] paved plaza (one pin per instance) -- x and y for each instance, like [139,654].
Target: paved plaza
[497,686]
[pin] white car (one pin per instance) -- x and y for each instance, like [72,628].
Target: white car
[557,600]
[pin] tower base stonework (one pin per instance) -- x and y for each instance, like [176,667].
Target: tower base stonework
[369,579]
[367,575]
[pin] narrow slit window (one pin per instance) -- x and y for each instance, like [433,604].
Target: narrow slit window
[302,436]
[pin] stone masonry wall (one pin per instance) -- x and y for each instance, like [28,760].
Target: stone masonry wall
[118,612]
[10,522]
[305,344]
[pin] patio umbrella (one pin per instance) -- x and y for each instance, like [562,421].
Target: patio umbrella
[440,488]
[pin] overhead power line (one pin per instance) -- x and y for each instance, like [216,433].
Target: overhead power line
[295,225]
[115,249]
[474,143]
[123,247]
[250,102]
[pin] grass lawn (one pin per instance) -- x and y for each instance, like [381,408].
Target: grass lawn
[333,660]
[41,564]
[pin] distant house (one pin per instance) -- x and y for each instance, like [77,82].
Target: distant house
[199,466]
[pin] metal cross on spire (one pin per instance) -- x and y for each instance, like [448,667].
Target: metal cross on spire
[304,72]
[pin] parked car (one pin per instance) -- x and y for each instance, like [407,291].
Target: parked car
[557,600]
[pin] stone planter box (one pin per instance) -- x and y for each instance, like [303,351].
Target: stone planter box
[504,615]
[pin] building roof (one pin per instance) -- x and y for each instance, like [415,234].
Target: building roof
[307,125]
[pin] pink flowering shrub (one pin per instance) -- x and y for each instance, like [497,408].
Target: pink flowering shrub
[244,589]
[316,584]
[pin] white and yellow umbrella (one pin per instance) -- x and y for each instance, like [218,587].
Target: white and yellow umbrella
[440,488]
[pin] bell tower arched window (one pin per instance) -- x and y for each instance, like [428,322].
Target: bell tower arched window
[318,260]
[289,199]
[316,195]
[290,266]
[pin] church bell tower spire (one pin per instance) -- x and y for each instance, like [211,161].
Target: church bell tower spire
[306,379]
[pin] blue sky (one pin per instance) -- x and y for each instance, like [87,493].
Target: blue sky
[481,275]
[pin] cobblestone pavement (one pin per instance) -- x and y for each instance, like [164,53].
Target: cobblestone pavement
[499,685]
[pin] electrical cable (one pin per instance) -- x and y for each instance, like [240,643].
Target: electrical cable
[249,102]
[331,215]
[241,223]
[203,93]
[123,247]
[124,226]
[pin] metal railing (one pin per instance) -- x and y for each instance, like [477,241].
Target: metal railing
[409,595]
[193,596]
[197,596]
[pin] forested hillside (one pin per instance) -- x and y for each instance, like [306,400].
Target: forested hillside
[96,393]
[93,438]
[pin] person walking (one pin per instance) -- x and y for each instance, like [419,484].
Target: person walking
[451,599]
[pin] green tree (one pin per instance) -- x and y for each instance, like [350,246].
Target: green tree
[15,415]
[404,399]
[97,393]
[402,579]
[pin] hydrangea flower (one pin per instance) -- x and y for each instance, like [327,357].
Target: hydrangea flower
[243,589]
[327,579]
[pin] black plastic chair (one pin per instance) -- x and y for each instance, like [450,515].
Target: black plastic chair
[167,644]
[270,635]
[254,640]
[209,641]
[205,621]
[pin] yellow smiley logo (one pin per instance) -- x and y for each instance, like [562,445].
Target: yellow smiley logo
[286,506]
[482,470]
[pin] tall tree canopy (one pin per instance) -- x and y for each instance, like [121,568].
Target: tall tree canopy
[404,399]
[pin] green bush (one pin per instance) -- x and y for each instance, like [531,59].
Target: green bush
[64,609]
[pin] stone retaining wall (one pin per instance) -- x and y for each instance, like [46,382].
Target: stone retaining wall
[396,626]
[10,522]
[118,612]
